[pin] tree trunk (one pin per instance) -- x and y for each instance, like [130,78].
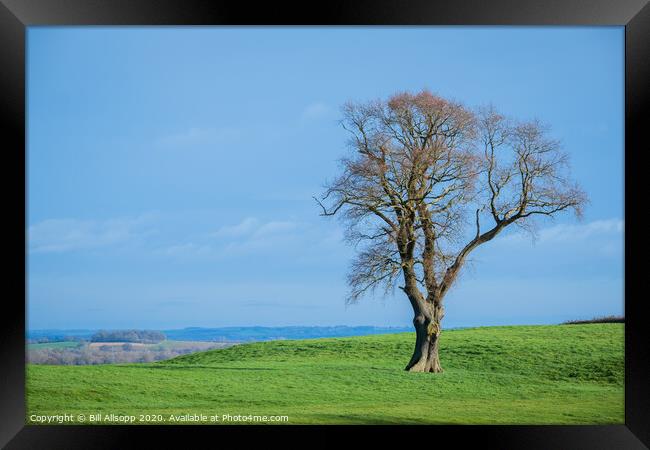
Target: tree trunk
[427,336]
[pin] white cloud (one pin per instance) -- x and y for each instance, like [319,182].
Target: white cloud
[189,249]
[61,235]
[195,136]
[316,110]
[252,235]
[582,231]
[244,227]
[251,228]
[274,228]
[248,236]
[572,232]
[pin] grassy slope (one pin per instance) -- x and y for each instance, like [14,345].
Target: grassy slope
[166,344]
[519,374]
[62,344]
[171,344]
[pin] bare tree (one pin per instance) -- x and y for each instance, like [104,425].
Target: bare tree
[427,182]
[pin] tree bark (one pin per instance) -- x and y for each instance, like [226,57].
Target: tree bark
[427,337]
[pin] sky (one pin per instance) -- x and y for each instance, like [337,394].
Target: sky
[170,171]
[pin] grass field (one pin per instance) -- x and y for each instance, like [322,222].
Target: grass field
[167,344]
[495,375]
[116,344]
[62,344]
[161,345]
[171,344]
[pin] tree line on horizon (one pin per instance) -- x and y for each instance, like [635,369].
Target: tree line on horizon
[138,336]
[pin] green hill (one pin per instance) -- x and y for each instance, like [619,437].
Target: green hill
[62,344]
[495,375]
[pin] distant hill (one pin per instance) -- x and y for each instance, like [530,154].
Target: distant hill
[230,334]
[57,335]
[141,336]
[251,334]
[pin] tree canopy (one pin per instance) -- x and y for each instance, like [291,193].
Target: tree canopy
[427,180]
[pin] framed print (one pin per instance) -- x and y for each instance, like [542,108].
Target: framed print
[379,218]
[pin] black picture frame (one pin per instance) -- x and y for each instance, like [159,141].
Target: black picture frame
[16,15]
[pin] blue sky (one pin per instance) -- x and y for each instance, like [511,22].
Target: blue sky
[171,171]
